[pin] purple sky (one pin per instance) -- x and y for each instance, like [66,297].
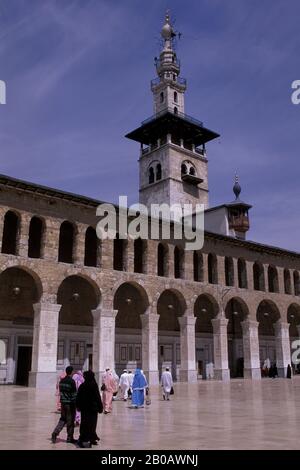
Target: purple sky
[78,79]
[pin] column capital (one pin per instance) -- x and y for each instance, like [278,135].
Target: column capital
[248,324]
[104,313]
[219,322]
[187,320]
[149,318]
[48,306]
[280,325]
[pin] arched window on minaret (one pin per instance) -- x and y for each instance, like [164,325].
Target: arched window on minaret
[161,97]
[158,172]
[183,169]
[151,175]
[175,110]
[175,97]
[192,171]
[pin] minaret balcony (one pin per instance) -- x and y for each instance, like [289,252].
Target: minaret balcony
[191,179]
[239,223]
[179,83]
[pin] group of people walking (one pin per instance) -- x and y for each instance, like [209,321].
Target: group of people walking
[79,400]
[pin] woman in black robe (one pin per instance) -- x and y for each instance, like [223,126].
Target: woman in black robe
[89,403]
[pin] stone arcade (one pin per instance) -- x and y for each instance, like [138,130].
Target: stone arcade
[67,297]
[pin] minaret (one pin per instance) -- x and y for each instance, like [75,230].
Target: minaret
[173,161]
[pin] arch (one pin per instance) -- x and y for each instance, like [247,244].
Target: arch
[178,262]
[66,242]
[267,314]
[158,172]
[162,260]
[170,306]
[258,276]
[206,308]
[91,247]
[78,296]
[296,283]
[273,279]
[151,175]
[11,230]
[140,255]
[119,254]
[212,265]
[287,282]
[192,171]
[20,289]
[131,301]
[236,311]
[36,232]
[229,271]
[198,266]
[293,318]
[242,274]
[175,97]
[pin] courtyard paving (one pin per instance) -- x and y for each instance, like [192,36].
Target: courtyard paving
[242,414]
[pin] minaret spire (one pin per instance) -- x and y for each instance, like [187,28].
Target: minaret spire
[168,88]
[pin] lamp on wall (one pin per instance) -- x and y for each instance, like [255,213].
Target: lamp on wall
[203,310]
[266,314]
[235,313]
[170,307]
[128,301]
[75,296]
[16,290]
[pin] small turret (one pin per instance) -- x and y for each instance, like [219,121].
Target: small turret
[238,216]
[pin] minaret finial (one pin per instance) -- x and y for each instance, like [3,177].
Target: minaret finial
[237,188]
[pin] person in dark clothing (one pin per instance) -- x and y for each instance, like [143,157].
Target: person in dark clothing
[89,403]
[67,390]
[288,372]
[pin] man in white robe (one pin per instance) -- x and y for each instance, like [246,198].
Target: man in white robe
[124,385]
[166,383]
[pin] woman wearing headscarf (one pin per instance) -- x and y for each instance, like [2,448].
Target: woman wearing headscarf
[138,388]
[109,387]
[89,403]
[78,378]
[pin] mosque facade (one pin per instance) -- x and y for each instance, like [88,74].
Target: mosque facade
[67,297]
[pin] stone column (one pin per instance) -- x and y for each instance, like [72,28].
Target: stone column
[235,273]
[251,349]
[129,255]
[205,268]
[11,362]
[107,254]
[151,258]
[249,270]
[79,244]
[188,371]
[221,270]
[220,348]
[189,265]
[103,340]
[44,351]
[170,268]
[22,246]
[150,346]
[281,280]
[283,351]
[51,238]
